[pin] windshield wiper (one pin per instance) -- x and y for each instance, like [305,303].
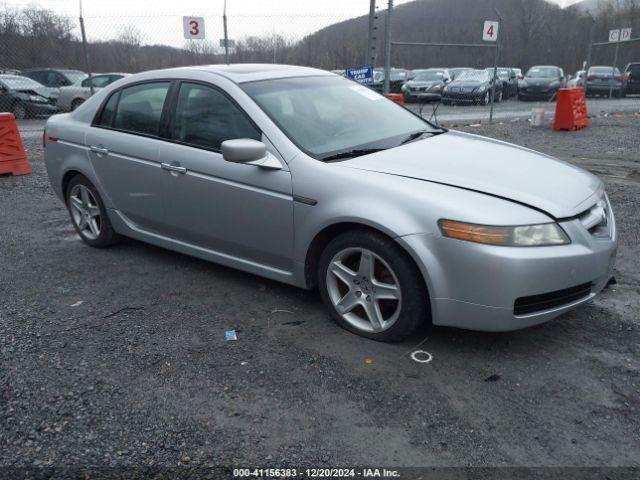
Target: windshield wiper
[416,135]
[356,152]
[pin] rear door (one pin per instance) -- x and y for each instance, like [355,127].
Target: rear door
[243,211]
[124,142]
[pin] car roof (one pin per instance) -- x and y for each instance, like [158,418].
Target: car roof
[252,72]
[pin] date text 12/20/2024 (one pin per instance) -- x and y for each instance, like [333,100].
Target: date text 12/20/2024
[315,473]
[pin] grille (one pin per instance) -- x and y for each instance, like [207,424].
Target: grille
[546,301]
[597,219]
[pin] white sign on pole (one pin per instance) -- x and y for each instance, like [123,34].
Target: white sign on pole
[614,35]
[193,28]
[625,34]
[490,31]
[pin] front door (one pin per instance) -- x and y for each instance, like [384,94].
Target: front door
[238,210]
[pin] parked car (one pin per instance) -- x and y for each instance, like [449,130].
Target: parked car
[632,78]
[509,81]
[9,71]
[24,97]
[472,86]
[541,82]
[304,177]
[605,81]
[72,97]
[397,78]
[577,80]
[454,72]
[425,84]
[55,78]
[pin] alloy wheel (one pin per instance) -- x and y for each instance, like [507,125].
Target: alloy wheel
[364,289]
[85,211]
[19,112]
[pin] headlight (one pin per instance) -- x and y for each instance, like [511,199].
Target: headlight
[512,236]
[482,88]
[36,98]
[403,88]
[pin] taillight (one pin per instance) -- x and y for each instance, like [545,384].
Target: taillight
[591,77]
[618,78]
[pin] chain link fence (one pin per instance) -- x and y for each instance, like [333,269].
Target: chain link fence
[43,58]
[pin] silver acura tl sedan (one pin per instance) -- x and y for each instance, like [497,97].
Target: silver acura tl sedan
[308,178]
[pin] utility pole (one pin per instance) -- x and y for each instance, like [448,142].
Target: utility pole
[370,56]
[87,65]
[387,47]
[495,64]
[591,34]
[226,37]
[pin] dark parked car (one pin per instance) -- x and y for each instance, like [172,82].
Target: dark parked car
[472,86]
[396,79]
[632,78]
[425,84]
[541,82]
[24,97]
[605,81]
[509,81]
[55,78]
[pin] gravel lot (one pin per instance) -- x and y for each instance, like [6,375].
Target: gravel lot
[139,372]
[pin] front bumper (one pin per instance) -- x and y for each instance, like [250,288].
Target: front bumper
[416,95]
[40,109]
[463,97]
[476,286]
[539,94]
[603,89]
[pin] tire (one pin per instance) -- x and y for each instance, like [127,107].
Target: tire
[499,96]
[353,256]
[88,215]
[19,111]
[76,103]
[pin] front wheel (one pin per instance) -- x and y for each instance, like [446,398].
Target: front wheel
[88,214]
[372,287]
[19,111]
[485,99]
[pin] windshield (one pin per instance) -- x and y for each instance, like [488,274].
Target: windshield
[603,71]
[396,75]
[20,83]
[542,72]
[473,76]
[327,115]
[75,77]
[429,75]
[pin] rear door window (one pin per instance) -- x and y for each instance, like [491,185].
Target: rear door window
[139,109]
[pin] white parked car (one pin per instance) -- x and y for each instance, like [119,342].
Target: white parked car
[73,96]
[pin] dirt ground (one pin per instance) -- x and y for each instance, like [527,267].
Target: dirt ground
[139,373]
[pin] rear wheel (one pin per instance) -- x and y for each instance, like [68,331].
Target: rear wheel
[372,287]
[88,215]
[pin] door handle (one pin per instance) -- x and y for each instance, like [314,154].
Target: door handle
[173,168]
[99,150]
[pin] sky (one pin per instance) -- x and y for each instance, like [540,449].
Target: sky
[160,21]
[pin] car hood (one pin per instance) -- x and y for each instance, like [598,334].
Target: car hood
[538,82]
[423,83]
[492,167]
[467,84]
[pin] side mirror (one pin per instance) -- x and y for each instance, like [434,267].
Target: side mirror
[250,152]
